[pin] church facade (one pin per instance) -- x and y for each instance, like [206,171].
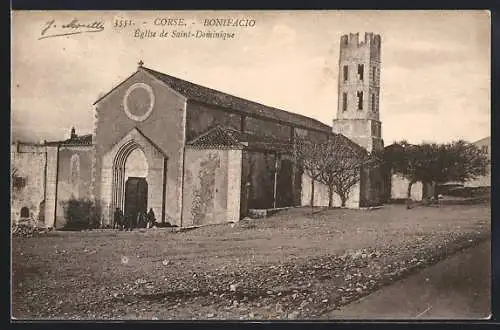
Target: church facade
[195,155]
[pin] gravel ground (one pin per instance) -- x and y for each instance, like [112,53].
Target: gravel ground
[295,265]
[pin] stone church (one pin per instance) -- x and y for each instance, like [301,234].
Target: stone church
[196,155]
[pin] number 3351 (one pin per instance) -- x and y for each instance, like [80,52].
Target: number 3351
[121,23]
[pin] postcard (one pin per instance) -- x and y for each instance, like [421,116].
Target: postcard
[250,165]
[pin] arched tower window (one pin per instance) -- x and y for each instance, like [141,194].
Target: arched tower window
[360,100]
[361,71]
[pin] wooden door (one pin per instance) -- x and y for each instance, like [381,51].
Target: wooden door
[136,196]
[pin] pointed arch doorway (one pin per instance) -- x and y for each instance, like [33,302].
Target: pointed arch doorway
[131,185]
[134,156]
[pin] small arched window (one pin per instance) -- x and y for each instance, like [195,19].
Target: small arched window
[25,212]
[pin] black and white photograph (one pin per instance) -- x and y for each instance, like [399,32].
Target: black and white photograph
[250,165]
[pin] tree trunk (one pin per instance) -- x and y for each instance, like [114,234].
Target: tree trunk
[435,192]
[330,197]
[425,195]
[343,200]
[409,200]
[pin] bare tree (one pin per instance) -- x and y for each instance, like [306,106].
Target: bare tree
[309,156]
[343,162]
[335,162]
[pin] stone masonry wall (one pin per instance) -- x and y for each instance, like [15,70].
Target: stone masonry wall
[321,194]
[29,162]
[208,196]
[399,188]
[73,178]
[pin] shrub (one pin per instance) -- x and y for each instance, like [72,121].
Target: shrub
[445,189]
[470,192]
[81,214]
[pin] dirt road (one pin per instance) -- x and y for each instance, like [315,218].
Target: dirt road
[455,288]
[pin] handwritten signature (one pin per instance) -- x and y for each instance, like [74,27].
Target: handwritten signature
[51,29]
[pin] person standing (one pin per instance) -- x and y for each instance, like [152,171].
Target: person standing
[151,218]
[125,221]
[130,219]
[139,223]
[141,220]
[117,220]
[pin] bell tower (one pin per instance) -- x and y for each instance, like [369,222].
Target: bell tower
[358,113]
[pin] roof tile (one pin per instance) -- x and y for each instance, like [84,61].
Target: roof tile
[226,137]
[214,97]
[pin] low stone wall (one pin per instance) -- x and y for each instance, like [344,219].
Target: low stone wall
[321,194]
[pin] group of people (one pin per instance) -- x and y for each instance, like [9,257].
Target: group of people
[131,221]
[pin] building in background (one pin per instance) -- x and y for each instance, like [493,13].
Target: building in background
[483,181]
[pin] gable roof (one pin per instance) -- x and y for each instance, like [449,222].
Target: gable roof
[217,136]
[226,137]
[214,97]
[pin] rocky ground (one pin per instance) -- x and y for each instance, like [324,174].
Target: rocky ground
[28,229]
[236,281]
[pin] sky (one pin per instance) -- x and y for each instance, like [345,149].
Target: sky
[435,72]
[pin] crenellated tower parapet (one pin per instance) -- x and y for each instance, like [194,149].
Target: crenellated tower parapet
[352,47]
